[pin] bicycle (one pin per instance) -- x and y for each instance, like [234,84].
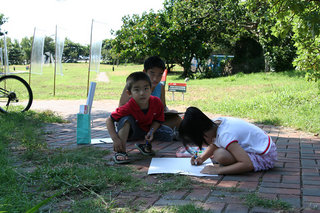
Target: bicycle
[15,94]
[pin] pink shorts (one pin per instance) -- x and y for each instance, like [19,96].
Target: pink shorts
[266,161]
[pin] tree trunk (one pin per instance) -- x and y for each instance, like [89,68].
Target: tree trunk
[169,67]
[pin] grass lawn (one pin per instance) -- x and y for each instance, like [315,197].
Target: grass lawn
[33,177]
[285,98]
[78,180]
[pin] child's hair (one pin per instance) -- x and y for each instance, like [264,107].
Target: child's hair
[153,61]
[193,126]
[136,76]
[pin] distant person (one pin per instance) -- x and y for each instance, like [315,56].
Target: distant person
[140,118]
[237,145]
[155,67]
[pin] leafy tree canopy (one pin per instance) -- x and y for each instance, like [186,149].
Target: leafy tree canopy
[303,18]
[2,21]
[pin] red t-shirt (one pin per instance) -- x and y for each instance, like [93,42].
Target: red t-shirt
[144,121]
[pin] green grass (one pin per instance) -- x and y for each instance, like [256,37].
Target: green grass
[73,84]
[169,182]
[252,200]
[80,180]
[19,132]
[285,99]
[271,98]
[99,206]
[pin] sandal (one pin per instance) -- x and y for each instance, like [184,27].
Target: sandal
[120,154]
[144,149]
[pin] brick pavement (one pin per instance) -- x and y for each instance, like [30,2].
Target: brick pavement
[295,178]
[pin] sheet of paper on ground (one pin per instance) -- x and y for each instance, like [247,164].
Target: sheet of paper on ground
[176,166]
[101,140]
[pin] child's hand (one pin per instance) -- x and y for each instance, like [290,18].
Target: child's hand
[196,160]
[117,144]
[210,169]
[149,135]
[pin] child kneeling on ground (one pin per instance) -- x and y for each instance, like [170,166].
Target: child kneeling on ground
[140,118]
[238,146]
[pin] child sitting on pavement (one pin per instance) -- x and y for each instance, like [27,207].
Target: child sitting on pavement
[155,67]
[235,144]
[139,118]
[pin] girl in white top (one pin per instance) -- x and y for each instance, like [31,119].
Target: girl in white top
[237,145]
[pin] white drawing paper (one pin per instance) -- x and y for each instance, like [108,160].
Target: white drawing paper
[101,140]
[177,166]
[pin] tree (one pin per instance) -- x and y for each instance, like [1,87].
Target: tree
[124,44]
[228,23]
[26,46]
[49,48]
[198,30]
[303,18]
[2,21]
[286,31]
[279,52]
[15,54]
[107,52]
[156,34]
[72,51]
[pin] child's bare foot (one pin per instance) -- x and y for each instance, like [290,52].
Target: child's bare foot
[120,157]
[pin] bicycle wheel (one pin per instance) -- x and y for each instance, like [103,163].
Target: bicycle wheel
[15,94]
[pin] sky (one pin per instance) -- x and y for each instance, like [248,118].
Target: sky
[72,17]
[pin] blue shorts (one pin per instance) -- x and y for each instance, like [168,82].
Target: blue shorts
[163,133]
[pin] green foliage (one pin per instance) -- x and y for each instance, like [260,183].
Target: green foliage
[288,32]
[303,17]
[165,34]
[2,21]
[107,52]
[26,44]
[14,51]
[187,29]
[15,54]
[72,51]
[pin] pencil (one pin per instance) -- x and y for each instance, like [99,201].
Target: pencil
[195,157]
[150,133]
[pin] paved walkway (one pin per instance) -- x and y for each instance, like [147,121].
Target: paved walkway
[295,179]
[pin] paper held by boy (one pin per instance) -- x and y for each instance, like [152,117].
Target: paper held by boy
[177,166]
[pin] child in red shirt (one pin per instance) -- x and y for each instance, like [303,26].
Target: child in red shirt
[139,118]
[154,67]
